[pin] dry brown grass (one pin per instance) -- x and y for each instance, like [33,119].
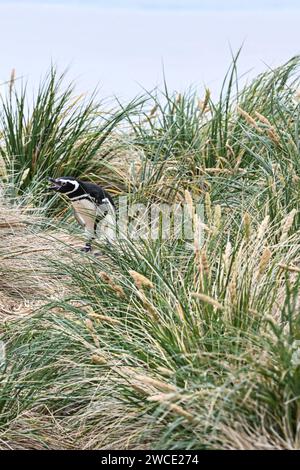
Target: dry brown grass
[114,427]
[26,284]
[24,251]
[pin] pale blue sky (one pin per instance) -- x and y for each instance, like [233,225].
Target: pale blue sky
[175,4]
[120,48]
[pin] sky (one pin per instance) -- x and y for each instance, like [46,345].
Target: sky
[174,4]
[123,45]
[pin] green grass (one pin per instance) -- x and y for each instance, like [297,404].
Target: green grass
[155,344]
[56,133]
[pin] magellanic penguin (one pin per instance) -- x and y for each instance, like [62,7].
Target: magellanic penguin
[90,202]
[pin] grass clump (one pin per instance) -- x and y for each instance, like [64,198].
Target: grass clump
[159,343]
[56,133]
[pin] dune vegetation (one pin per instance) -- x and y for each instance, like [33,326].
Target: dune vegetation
[154,344]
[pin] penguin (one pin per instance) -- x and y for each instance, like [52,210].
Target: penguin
[90,202]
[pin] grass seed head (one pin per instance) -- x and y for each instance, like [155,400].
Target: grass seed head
[287,224]
[274,136]
[205,263]
[247,225]
[262,229]
[248,118]
[263,119]
[208,300]
[98,360]
[140,280]
[189,203]
[148,305]
[182,412]
[12,80]
[158,384]
[217,218]
[110,281]
[264,260]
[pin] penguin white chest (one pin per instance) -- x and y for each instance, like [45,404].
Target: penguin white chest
[84,211]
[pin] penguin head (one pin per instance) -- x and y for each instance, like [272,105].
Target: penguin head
[65,184]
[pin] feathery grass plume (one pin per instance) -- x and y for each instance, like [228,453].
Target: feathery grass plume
[264,260]
[189,203]
[247,225]
[203,105]
[147,305]
[178,98]
[180,311]
[24,175]
[153,111]
[217,218]
[263,119]
[197,233]
[198,280]
[140,280]
[274,136]
[104,318]
[232,288]
[182,412]
[110,281]
[287,224]
[227,255]
[231,152]
[248,118]
[139,389]
[204,262]
[12,80]
[98,360]
[238,160]
[158,384]
[163,397]
[165,371]
[262,229]
[90,326]
[208,300]
[151,115]
[166,398]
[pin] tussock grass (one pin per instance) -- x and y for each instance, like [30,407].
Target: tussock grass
[156,343]
[54,133]
[24,245]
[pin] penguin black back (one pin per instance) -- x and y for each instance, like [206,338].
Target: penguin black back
[91,203]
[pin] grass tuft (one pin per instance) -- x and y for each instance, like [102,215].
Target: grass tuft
[154,343]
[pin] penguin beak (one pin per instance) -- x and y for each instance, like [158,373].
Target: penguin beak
[56,184]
